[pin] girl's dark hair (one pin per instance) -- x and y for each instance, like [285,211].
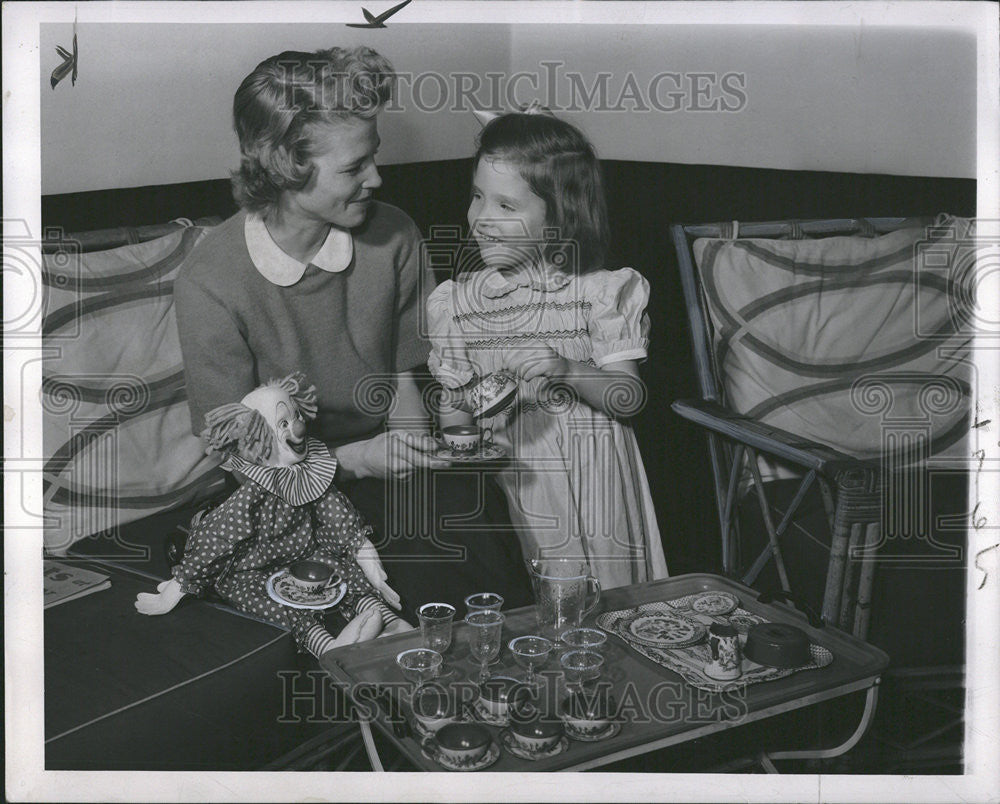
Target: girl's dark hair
[560,166]
[284,96]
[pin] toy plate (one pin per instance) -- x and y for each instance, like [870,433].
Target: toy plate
[714,603]
[662,630]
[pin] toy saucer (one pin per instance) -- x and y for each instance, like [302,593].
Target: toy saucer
[282,589]
[490,452]
[483,715]
[432,751]
[594,736]
[714,603]
[508,741]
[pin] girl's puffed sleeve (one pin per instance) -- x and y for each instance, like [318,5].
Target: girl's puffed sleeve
[619,326]
[448,361]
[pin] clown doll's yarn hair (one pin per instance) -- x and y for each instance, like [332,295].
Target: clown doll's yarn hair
[302,395]
[235,427]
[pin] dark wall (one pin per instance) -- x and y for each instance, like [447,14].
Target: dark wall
[644,198]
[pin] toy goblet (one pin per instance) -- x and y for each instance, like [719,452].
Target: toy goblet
[484,638]
[419,665]
[531,652]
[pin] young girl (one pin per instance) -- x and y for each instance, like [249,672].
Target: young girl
[542,307]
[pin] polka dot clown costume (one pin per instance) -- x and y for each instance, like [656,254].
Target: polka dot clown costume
[286,510]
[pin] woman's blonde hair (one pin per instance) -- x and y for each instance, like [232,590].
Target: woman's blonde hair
[279,103]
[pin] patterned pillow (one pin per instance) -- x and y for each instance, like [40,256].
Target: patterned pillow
[850,341]
[117,433]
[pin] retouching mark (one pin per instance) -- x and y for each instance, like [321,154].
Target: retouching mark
[982,569]
[983,423]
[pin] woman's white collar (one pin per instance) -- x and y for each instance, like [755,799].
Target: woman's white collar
[281,269]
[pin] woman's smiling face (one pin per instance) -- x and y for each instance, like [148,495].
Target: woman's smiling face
[505,217]
[344,175]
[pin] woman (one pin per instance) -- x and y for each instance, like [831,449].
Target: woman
[314,275]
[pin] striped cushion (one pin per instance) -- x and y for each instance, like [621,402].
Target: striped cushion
[117,433]
[817,337]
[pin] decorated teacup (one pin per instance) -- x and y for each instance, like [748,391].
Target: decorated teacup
[587,712]
[498,694]
[465,438]
[462,742]
[538,733]
[313,577]
[434,707]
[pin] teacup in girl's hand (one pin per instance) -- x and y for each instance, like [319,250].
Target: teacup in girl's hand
[492,394]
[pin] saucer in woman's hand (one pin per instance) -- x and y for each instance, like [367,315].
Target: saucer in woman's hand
[485,454]
[281,588]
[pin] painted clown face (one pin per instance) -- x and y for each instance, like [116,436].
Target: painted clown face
[285,420]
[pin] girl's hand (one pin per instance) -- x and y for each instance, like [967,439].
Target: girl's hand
[371,565]
[536,360]
[395,453]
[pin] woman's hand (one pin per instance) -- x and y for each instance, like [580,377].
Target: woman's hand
[371,566]
[396,453]
[536,360]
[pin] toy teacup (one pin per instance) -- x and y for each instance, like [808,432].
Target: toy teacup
[499,693]
[538,733]
[465,438]
[313,577]
[587,713]
[435,707]
[463,742]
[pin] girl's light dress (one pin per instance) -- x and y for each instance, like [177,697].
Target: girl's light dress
[576,484]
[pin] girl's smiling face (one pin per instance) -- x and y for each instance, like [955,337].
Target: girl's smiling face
[505,217]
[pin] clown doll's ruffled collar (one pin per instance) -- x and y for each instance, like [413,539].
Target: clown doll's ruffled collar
[300,484]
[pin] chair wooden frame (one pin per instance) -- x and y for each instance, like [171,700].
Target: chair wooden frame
[851,489]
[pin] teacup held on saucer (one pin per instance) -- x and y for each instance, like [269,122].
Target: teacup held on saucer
[465,439]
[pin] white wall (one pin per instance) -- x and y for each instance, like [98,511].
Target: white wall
[852,99]
[152,102]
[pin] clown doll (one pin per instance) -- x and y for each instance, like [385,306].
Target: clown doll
[286,509]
